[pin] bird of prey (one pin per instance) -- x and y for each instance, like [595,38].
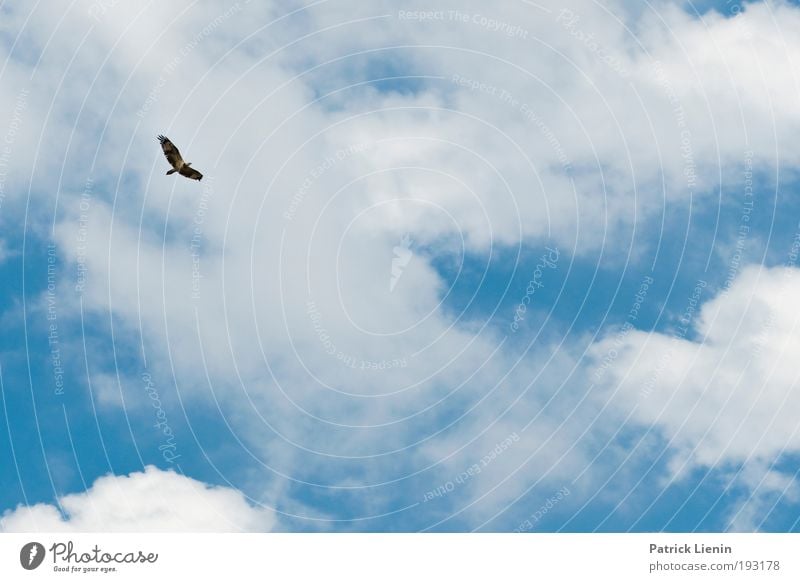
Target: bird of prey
[176,161]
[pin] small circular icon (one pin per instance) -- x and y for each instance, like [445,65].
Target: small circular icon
[31,555]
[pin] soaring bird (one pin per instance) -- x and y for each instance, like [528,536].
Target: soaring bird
[176,161]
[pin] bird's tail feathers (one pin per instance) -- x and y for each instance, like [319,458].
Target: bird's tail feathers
[172,171]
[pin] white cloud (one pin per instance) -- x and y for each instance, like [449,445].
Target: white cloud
[722,388]
[150,501]
[730,394]
[764,488]
[457,169]
[569,107]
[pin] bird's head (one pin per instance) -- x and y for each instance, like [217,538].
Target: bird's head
[188,164]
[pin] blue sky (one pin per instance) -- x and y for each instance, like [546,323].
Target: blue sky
[262,350]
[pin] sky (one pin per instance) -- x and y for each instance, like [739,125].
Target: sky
[452,267]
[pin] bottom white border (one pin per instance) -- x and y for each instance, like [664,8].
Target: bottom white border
[402,557]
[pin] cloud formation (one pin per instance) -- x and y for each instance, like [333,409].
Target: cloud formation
[330,134]
[149,501]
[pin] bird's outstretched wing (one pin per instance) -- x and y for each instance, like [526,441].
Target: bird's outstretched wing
[171,152]
[190,173]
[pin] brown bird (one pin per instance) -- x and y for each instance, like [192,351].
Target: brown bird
[176,161]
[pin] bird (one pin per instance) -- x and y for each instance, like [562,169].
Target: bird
[176,161]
